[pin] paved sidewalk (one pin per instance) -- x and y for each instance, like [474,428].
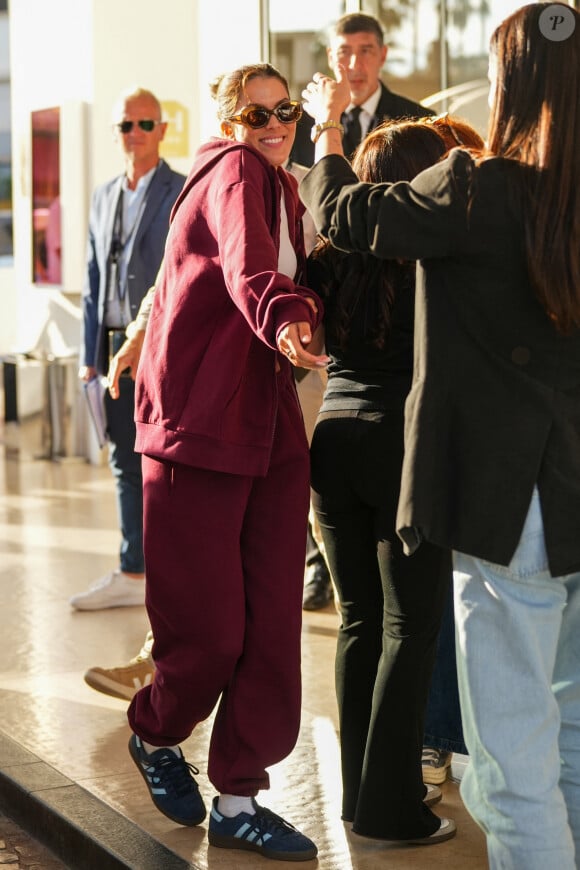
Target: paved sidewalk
[66,775]
[19,851]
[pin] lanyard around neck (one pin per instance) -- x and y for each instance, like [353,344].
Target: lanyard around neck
[118,243]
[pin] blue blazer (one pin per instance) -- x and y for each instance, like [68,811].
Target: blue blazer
[146,255]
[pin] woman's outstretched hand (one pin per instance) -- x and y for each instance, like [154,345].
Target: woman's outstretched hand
[296,342]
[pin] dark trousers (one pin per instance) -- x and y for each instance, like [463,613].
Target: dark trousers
[443,725]
[225,564]
[313,554]
[125,465]
[391,607]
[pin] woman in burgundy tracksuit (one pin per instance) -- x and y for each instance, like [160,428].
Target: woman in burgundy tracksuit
[226,472]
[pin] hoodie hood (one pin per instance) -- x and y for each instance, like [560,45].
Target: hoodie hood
[206,158]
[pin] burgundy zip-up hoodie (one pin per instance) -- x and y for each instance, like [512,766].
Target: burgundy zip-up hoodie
[206,391]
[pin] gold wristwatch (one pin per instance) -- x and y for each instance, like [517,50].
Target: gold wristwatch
[318,129]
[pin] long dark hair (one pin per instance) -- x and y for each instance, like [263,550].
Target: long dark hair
[535,120]
[394,151]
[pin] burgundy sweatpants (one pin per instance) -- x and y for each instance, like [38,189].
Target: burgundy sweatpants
[224,558]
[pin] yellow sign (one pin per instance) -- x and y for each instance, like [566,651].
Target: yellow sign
[176,142]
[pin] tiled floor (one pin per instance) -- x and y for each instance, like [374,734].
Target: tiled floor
[58,532]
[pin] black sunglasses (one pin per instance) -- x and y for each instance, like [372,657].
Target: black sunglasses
[145,124]
[258,116]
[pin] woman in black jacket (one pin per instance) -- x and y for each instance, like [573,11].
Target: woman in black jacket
[390,606]
[492,431]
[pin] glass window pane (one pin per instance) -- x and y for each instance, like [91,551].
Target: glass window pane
[454,80]
[412,30]
[297,42]
[469,28]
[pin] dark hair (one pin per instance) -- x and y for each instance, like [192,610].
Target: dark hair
[456,132]
[397,151]
[535,120]
[394,151]
[358,22]
[226,89]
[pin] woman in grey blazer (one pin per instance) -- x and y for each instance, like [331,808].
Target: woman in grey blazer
[492,462]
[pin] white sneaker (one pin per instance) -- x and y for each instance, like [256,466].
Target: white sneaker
[115,589]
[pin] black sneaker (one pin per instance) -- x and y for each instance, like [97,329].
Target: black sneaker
[264,832]
[171,785]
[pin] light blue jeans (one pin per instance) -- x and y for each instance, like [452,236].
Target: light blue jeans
[518,660]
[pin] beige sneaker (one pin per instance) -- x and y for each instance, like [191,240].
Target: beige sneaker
[125,681]
[435,764]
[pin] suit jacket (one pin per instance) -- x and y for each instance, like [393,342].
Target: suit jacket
[494,408]
[390,106]
[146,255]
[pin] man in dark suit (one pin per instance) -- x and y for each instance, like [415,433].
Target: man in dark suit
[128,225]
[357,42]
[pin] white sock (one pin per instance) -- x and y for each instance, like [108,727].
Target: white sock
[149,748]
[230,805]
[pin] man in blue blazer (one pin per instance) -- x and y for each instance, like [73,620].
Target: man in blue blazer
[128,225]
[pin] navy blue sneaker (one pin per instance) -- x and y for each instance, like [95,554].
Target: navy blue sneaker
[171,785]
[264,832]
